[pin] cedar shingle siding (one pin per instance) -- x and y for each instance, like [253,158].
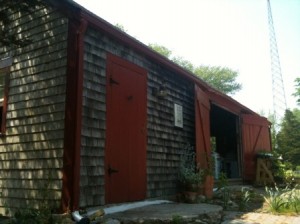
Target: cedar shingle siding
[31,151]
[165,142]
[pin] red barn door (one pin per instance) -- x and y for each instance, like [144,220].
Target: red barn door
[126,131]
[202,114]
[256,136]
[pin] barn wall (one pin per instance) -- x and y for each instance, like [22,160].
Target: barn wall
[31,151]
[256,137]
[165,142]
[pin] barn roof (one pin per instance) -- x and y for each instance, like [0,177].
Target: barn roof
[77,13]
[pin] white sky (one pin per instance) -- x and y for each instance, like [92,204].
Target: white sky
[231,33]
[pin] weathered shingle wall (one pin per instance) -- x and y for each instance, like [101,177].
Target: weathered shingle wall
[165,142]
[31,151]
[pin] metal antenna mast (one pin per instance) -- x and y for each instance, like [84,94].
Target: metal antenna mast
[279,100]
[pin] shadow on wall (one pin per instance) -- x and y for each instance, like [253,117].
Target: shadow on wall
[31,151]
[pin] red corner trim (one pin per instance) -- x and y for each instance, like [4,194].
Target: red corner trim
[73,114]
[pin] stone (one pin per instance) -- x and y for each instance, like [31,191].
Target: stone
[233,205]
[201,198]
[62,218]
[99,213]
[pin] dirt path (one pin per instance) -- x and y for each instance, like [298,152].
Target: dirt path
[258,218]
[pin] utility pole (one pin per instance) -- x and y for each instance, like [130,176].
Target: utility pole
[279,99]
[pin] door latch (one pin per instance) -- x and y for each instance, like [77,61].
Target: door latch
[111,170]
[112,81]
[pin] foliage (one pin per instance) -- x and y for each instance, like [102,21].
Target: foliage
[281,170]
[43,215]
[223,188]
[161,49]
[244,200]
[222,181]
[221,78]
[188,172]
[9,8]
[297,92]
[271,118]
[184,63]
[120,27]
[295,200]
[177,219]
[288,138]
[32,216]
[274,199]
[226,197]
[283,200]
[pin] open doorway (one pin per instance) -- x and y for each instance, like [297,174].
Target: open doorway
[225,142]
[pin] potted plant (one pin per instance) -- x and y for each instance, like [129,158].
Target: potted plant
[190,178]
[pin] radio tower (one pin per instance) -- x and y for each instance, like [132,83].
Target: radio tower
[279,100]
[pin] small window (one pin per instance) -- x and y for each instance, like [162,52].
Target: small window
[4,71]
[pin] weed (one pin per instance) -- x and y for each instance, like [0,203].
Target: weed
[222,181]
[226,197]
[223,187]
[177,219]
[37,216]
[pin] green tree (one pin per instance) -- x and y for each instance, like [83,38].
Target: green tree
[184,63]
[120,27]
[297,92]
[271,118]
[221,78]
[288,138]
[161,49]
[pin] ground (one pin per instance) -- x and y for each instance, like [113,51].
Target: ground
[227,207]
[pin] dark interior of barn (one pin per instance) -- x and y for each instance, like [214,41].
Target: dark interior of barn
[225,142]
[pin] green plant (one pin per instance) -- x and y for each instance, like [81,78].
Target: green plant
[284,201]
[275,200]
[226,197]
[294,200]
[188,173]
[43,214]
[222,181]
[222,185]
[32,216]
[177,219]
[245,199]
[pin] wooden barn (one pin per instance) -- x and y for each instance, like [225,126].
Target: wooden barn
[93,116]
